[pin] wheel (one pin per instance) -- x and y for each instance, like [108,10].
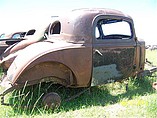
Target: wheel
[51,100]
[154,85]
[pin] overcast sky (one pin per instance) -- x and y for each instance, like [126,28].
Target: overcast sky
[17,15]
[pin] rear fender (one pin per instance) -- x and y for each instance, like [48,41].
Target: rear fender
[47,72]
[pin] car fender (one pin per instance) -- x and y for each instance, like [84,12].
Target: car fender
[36,58]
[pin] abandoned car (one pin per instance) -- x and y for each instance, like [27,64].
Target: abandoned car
[90,47]
[9,39]
[9,54]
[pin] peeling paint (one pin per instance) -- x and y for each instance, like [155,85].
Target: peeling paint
[102,74]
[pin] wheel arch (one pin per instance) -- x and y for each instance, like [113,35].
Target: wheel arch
[48,71]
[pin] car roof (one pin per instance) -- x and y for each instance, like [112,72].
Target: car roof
[77,24]
[105,11]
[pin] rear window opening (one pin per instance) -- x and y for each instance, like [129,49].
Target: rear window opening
[55,28]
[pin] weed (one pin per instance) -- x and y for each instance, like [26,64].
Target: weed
[138,101]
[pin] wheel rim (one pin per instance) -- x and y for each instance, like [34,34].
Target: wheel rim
[51,100]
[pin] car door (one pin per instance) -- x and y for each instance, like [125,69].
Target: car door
[114,48]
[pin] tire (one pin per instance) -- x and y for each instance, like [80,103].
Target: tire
[51,100]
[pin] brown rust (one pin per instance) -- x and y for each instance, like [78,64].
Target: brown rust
[80,66]
[75,57]
[47,69]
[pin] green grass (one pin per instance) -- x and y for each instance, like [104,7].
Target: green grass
[110,100]
[152,56]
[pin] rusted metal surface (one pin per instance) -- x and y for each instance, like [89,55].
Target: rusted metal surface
[10,53]
[51,100]
[3,48]
[112,64]
[77,26]
[66,55]
[73,56]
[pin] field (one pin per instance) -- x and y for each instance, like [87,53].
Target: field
[107,101]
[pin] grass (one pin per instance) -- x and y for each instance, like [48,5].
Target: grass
[110,100]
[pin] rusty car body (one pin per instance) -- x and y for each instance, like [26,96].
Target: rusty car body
[90,47]
[32,36]
[9,39]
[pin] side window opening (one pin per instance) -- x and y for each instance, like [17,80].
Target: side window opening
[30,32]
[55,28]
[113,29]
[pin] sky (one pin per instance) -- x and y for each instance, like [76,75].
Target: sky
[19,15]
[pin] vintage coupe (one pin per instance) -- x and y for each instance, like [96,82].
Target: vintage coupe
[89,47]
